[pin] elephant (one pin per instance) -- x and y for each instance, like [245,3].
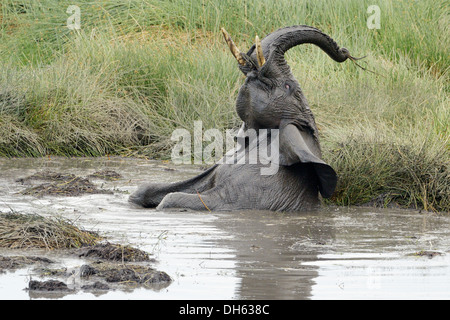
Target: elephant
[270,99]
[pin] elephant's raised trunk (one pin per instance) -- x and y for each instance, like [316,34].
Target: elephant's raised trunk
[280,41]
[274,46]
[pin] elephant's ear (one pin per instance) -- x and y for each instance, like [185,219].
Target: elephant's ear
[299,146]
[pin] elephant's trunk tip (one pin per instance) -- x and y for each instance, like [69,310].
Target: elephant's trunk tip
[346,53]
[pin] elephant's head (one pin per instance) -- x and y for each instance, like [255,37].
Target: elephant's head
[271,97]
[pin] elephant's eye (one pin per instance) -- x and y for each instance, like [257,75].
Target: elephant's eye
[289,87]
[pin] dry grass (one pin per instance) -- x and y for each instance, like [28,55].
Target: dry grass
[23,231]
[167,37]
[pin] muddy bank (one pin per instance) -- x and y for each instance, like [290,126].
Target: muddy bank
[107,266]
[100,275]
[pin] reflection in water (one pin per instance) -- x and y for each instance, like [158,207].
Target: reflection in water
[269,261]
[332,253]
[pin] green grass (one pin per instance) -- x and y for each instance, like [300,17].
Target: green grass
[139,69]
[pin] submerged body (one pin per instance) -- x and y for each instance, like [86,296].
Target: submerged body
[236,187]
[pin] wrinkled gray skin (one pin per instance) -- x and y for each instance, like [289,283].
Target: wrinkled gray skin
[270,98]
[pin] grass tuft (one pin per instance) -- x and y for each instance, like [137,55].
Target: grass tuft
[23,231]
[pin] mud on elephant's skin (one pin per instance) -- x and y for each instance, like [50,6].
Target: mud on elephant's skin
[270,98]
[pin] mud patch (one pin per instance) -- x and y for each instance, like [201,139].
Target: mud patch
[96,286]
[68,185]
[48,286]
[47,176]
[17,262]
[108,175]
[71,188]
[114,252]
[127,274]
[102,276]
[113,265]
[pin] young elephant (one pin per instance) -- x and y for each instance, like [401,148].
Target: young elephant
[270,98]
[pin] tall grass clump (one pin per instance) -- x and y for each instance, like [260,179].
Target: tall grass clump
[381,167]
[137,70]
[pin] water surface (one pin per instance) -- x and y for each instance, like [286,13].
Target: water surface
[333,253]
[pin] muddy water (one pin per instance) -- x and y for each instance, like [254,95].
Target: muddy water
[334,253]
